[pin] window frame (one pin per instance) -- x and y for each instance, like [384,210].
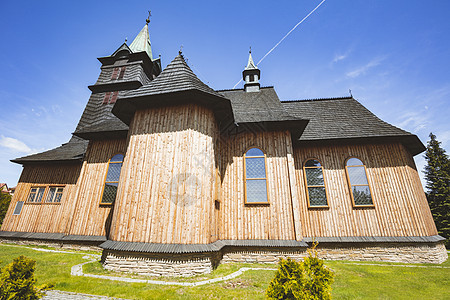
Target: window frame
[307,186]
[38,187]
[350,184]
[54,196]
[106,175]
[245,176]
[46,189]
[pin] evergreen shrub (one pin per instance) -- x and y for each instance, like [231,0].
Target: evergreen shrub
[308,279]
[17,280]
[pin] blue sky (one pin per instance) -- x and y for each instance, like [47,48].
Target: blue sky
[393,55]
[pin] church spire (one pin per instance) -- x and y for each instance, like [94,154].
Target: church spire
[250,64]
[142,41]
[251,75]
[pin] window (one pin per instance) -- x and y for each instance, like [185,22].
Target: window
[18,208]
[358,183]
[255,177]
[110,97]
[36,194]
[122,72]
[315,184]
[112,179]
[54,195]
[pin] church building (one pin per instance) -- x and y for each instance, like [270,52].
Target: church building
[171,177]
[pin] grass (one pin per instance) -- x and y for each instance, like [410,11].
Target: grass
[352,281]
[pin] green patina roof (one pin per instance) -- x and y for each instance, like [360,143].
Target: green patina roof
[142,42]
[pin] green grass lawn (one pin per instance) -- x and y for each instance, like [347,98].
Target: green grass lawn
[352,281]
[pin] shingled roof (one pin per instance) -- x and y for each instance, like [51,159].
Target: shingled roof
[345,118]
[176,84]
[176,77]
[71,151]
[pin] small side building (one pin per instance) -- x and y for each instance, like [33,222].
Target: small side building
[171,177]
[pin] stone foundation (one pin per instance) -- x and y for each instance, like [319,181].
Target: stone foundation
[160,264]
[388,252]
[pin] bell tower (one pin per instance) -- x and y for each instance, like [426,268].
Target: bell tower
[251,75]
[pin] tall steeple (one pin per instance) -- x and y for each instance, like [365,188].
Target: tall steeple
[251,75]
[142,41]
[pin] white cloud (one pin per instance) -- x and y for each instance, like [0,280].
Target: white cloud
[14,144]
[339,57]
[362,70]
[414,121]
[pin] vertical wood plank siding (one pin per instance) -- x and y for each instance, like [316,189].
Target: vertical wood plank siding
[400,205]
[167,185]
[253,221]
[88,216]
[43,217]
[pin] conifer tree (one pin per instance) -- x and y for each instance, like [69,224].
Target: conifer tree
[437,175]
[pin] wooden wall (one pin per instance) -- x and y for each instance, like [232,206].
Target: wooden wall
[88,217]
[251,221]
[43,217]
[167,185]
[400,206]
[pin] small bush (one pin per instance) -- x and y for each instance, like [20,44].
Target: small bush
[308,279]
[17,280]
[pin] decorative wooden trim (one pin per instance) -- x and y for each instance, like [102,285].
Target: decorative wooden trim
[350,184]
[106,175]
[307,186]
[245,177]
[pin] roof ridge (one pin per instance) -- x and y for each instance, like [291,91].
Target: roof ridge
[227,90]
[319,99]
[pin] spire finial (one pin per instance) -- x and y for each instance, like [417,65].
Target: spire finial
[149,15]
[181,50]
[250,51]
[126,39]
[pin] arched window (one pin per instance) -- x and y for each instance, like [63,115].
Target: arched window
[315,184]
[255,177]
[112,179]
[358,183]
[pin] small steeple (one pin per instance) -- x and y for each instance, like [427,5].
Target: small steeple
[142,41]
[251,75]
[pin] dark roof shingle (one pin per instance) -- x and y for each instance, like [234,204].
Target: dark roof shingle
[73,150]
[346,118]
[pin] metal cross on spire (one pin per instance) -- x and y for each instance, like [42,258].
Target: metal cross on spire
[149,15]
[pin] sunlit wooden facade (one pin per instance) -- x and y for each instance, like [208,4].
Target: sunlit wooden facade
[202,166]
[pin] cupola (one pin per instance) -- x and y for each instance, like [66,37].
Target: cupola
[251,75]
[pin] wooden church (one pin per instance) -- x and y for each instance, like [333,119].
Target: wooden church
[171,177]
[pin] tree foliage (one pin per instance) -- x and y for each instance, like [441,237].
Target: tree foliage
[17,280]
[5,200]
[308,279]
[437,175]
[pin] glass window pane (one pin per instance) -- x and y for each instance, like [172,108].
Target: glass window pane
[40,193]
[255,167]
[312,163]
[254,152]
[50,194]
[31,197]
[117,157]
[109,193]
[361,195]
[18,208]
[317,196]
[114,172]
[314,176]
[256,190]
[58,197]
[354,162]
[357,175]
